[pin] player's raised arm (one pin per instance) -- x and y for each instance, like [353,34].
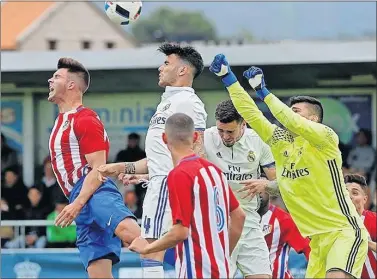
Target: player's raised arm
[306,124]
[244,104]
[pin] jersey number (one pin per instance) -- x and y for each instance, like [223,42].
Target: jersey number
[220,218]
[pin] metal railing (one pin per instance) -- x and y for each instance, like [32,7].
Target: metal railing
[20,226]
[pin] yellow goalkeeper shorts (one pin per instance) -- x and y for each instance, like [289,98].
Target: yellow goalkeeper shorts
[344,250]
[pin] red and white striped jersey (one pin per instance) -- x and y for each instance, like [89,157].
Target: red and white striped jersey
[201,200]
[75,133]
[281,234]
[370,266]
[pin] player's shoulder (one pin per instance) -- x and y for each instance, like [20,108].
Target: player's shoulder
[212,132]
[370,215]
[331,134]
[251,135]
[186,97]
[212,137]
[86,116]
[281,214]
[85,112]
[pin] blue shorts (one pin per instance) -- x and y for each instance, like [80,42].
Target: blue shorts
[97,221]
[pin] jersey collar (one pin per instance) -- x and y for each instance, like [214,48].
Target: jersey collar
[172,90]
[189,158]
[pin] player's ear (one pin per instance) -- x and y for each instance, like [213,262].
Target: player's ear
[164,138]
[196,136]
[182,70]
[314,118]
[71,84]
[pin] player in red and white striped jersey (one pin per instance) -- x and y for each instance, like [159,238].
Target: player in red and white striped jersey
[281,234]
[201,203]
[357,187]
[71,138]
[78,146]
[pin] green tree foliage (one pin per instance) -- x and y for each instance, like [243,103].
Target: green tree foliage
[173,25]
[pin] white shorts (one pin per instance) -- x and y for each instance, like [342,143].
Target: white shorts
[251,255]
[157,219]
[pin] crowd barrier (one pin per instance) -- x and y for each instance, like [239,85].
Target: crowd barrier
[66,263]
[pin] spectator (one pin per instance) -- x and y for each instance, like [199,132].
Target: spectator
[133,152]
[14,193]
[8,155]
[361,158]
[49,186]
[35,235]
[58,237]
[132,202]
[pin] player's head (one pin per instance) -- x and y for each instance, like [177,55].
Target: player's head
[70,79]
[179,132]
[308,107]
[357,188]
[182,65]
[229,123]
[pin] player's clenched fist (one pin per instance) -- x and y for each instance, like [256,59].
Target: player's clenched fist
[255,77]
[220,67]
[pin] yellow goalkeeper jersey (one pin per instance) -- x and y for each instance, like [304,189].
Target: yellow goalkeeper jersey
[308,165]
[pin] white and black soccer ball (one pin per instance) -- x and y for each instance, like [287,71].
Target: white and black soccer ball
[123,13]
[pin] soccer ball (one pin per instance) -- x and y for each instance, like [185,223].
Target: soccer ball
[123,13]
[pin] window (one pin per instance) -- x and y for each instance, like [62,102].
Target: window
[110,45]
[52,44]
[85,45]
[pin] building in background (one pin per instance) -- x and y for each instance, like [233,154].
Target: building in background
[63,26]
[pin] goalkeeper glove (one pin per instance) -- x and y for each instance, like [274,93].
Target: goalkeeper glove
[255,78]
[221,68]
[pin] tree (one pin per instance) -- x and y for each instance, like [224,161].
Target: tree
[173,25]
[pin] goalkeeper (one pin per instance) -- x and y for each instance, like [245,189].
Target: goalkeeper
[309,175]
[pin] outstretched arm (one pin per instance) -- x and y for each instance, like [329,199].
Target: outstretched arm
[114,169]
[316,133]
[244,104]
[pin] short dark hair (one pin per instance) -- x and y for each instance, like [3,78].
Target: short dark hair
[226,112]
[186,53]
[318,109]
[74,66]
[358,179]
[134,136]
[179,127]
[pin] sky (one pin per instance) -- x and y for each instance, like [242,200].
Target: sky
[282,20]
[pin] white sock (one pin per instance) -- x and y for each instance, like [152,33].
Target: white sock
[152,268]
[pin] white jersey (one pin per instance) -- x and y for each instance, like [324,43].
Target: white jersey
[173,100]
[240,162]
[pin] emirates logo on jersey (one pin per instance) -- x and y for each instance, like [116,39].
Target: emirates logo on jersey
[65,125]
